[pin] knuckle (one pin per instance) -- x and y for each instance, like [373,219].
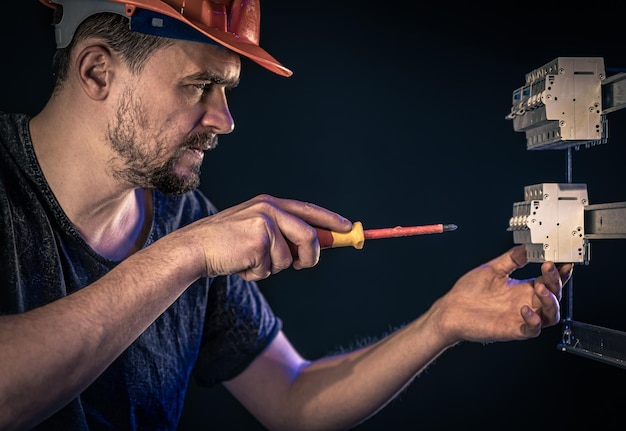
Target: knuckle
[281,264]
[265,198]
[264,207]
[309,235]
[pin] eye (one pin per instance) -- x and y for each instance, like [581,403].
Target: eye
[204,87]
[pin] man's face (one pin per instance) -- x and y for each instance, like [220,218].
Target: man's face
[170,113]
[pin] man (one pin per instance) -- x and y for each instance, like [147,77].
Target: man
[122,281]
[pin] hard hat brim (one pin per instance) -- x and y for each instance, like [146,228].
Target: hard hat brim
[253,52]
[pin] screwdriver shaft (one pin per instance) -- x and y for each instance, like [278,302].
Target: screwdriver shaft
[357,236]
[397,231]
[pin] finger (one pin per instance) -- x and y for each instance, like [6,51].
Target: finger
[315,215]
[550,277]
[532,322]
[257,271]
[272,259]
[546,303]
[555,277]
[295,242]
[295,221]
[280,256]
[508,262]
[565,272]
[304,253]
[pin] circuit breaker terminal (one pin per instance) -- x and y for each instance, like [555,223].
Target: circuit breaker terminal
[551,223]
[560,105]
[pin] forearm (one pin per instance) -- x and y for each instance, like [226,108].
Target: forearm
[51,354]
[348,389]
[285,392]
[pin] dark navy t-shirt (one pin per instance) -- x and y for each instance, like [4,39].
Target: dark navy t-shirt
[213,331]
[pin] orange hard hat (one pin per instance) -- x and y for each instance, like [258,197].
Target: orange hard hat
[234,24]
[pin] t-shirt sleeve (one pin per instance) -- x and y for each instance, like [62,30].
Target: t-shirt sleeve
[239,325]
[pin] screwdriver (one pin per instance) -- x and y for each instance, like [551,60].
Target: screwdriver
[357,236]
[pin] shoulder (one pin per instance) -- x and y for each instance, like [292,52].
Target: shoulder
[17,158]
[13,129]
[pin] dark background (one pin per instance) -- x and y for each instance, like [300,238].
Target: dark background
[395,115]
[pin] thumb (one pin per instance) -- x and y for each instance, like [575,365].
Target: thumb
[507,263]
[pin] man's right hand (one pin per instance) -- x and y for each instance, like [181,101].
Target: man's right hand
[251,239]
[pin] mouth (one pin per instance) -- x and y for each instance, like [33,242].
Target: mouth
[202,143]
[197,152]
[201,148]
[196,146]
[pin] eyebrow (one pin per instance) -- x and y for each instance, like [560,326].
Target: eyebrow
[213,77]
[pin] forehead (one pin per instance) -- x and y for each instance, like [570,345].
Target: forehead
[185,59]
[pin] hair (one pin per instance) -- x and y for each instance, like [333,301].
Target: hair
[114,30]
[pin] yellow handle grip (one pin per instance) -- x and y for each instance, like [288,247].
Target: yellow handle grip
[354,238]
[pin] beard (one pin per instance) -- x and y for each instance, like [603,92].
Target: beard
[147,166]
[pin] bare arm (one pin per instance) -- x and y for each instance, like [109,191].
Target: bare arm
[286,392]
[46,362]
[52,353]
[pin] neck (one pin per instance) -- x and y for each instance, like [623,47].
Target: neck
[114,219]
[119,230]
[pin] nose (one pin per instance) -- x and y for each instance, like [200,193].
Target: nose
[217,116]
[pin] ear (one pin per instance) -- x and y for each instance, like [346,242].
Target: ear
[95,69]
